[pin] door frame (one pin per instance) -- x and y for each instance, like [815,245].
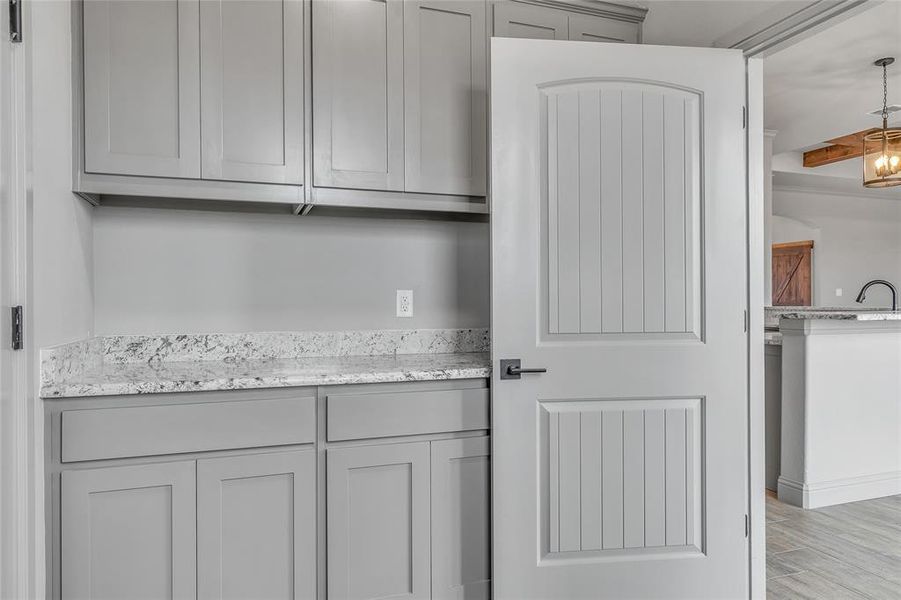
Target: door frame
[21,471]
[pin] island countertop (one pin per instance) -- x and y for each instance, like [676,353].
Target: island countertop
[122,365]
[774,313]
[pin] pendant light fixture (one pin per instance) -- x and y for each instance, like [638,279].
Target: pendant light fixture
[882,148]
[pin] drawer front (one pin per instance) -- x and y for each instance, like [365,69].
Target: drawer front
[385,414]
[99,433]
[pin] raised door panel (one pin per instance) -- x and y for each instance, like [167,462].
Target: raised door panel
[378,521]
[461,519]
[141,87]
[256,526]
[358,94]
[622,219]
[445,97]
[129,532]
[515,20]
[586,28]
[252,90]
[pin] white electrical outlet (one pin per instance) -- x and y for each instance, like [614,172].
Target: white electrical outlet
[404,303]
[838,291]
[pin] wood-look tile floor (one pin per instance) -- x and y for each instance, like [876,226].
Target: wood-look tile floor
[837,552]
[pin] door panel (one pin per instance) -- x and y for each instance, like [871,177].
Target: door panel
[128,532]
[618,263]
[616,266]
[358,94]
[141,92]
[445,97]
[256,526]
[252,83]
[461,519]
[512,19]
[378,521]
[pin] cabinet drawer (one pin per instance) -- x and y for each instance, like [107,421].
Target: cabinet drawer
[384,414]
[98,433]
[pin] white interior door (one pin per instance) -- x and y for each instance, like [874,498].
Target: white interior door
[619,265]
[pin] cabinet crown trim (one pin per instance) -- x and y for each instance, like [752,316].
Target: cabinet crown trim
[632,13]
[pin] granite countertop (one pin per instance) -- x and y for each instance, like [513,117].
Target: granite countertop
[122,365]
[774,313]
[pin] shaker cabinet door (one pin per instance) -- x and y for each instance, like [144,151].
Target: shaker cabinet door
[517,20]
[129,532]
[378,522]
[251,82]
[358,89]
[461,519]
[587,28]
[256,526]
[142,87]
[445,97]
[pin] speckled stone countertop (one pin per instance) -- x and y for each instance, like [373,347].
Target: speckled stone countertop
[773,314]
[121,365]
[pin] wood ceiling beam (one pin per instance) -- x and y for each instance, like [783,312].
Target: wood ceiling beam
[841,148]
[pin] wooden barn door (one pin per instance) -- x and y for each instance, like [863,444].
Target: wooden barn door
[792,273]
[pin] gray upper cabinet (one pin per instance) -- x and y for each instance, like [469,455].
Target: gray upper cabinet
[142,87]
[129,532]
[516,20]
[256,526]
[358,94]
[378,522]
[532,21]
[587,28]
[461,519]
[251,69]
[445,97]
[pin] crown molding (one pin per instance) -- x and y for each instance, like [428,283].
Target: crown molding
[789,30]
[625,11]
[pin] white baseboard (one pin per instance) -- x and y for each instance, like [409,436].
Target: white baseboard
[839,491]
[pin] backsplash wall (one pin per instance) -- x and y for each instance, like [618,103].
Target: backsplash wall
[175,271]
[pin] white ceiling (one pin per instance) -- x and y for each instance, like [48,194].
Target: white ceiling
[824,86]
[704,22]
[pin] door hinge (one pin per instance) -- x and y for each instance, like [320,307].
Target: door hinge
[17,326]
[15,21]
[747,525]
[744,117]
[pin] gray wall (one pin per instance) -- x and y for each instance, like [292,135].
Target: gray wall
[62,260]
[165,271]
[855,239]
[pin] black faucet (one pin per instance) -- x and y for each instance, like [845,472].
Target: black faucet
[863,291]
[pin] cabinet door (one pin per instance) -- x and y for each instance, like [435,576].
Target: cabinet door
[358,103]
[378,521]
[586,28]
[256,526]
[512,19]
[445,97]
[461,519]
[142,87]
[251,73]
[128,532]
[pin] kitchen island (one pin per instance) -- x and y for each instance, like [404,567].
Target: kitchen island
[840,406]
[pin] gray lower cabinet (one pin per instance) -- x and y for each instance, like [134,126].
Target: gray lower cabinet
[410,520]
[461,519]
[256,526]
[378,521]
[128,532]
